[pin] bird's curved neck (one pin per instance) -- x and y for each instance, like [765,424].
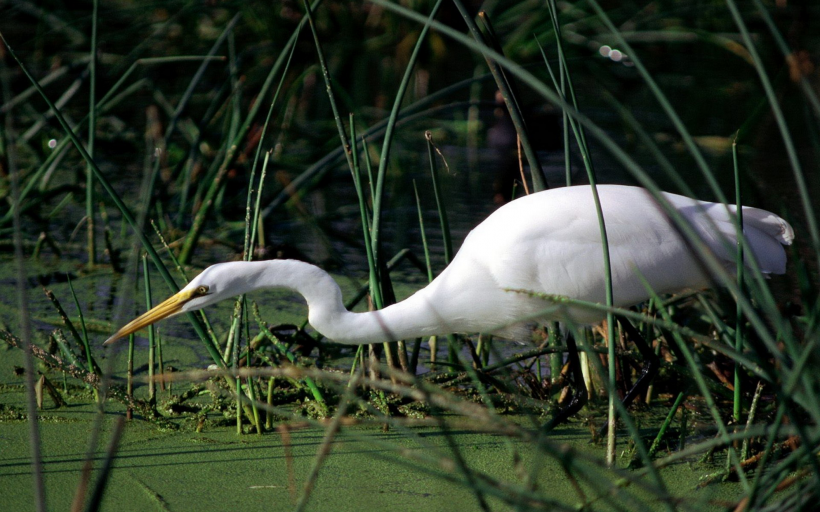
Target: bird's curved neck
[327,313]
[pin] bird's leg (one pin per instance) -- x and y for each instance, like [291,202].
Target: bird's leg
[649,370]
[579,396]
[651,362]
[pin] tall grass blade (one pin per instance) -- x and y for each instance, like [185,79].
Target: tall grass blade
[447,239]
[90,362]
[737,407]
[92,128]
[152,340]
[587,157]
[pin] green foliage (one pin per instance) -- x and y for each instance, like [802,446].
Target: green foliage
[171,97]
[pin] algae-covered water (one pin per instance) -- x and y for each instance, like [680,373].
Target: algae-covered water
[367,469]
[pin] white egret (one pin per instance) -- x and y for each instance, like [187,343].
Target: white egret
[548,242]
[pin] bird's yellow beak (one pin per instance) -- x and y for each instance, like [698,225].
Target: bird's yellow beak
[169,307]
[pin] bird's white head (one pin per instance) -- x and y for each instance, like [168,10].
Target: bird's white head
[215,283]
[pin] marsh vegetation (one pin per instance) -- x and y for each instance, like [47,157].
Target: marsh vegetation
[142,143]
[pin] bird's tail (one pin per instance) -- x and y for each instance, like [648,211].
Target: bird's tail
[765,233]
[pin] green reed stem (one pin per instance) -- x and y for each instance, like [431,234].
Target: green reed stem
[665,425]
[587,158]
[414,357]
[257,206]
[737,407]
[744,450]
[375,289]
[89,359]
[92,127]
[578,130]
[151,331]
[129,375]
[447,239]
[423,234]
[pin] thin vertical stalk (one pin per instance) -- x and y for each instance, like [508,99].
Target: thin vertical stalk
[151,339]
[744,450]
[129,385]
[375,289]
[510,96]
[564,119]
[580,134]
[250,382]
[255,224]
[668,421]
[610,318]
[235,368]
[92,127]
[423,235]
[160,363]
[83,334]
[442,210]
[414,356]
[737,409]
[452,342]
[91,364]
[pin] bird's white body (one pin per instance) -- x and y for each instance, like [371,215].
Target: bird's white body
[549,243]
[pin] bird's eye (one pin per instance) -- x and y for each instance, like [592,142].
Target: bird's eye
[201,290]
